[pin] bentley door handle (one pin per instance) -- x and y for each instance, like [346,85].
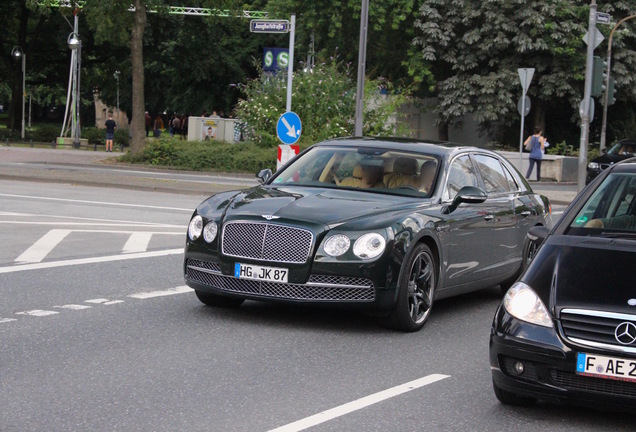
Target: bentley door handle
[489,217]
[526,213]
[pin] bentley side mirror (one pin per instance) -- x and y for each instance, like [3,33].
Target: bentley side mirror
[467,194]
[264,175]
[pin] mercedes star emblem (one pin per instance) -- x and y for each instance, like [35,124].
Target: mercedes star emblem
[625,333]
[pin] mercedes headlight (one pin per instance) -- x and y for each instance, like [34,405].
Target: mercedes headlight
[195,227]
[337,245]
[369,246]
[524,304]
[210,231]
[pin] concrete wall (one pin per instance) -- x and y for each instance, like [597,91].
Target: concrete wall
[553,167]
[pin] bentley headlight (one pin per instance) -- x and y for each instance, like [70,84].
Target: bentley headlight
[210,231]
[195,227]
[593,165]
[369,246]
[336,245]
[523,303]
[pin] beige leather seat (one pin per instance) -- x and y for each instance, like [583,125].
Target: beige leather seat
[404,173]
[354,180]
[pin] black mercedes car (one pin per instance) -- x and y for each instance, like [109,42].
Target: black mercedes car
[566,330]
[622,150]
[384,226]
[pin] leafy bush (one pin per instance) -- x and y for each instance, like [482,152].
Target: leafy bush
[324,98]
[45,133]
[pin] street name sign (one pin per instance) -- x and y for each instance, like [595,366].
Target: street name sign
[603,18]
[269,26]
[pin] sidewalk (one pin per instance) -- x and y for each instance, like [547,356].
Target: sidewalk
[65,166]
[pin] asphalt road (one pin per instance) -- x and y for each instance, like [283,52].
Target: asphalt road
[99,333]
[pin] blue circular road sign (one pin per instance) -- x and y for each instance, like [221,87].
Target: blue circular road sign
[289,128]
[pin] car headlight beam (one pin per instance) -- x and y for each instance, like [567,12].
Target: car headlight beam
[524,304]
[369,246]
[195,227]
[337,245]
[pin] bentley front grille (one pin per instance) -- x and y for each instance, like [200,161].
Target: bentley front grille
[318,288]
[266,241]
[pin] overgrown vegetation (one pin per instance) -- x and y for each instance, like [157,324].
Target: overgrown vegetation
[204,155]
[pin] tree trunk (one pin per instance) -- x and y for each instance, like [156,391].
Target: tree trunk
[137,58]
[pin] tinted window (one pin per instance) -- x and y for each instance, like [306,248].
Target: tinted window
[461,173]
[611,207]
[373,169]
[493,174]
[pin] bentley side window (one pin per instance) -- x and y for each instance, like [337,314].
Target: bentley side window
[493,174]
[461,173]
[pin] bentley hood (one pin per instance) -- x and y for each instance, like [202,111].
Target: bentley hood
[585,272]
[312,205]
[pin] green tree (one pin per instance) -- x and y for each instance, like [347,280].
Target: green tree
[474,49]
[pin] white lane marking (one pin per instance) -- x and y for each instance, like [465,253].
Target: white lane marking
[73,307]
[94,221]
[171,291]
[6,320]
[41,248]
[38,313]
[137,242]
[112,302]
[94,260]
[359,404]
[97,202]
[139,225]
[97,301]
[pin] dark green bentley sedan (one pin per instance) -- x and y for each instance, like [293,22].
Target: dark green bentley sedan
[385,226]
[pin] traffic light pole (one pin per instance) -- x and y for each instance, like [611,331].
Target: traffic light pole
[607,81]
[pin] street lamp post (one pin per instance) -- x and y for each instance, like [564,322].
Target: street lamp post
[75,44]
[116,75]
[607,80]
[18,53]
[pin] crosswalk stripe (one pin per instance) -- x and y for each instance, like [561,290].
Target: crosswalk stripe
[137,242]
[41,248]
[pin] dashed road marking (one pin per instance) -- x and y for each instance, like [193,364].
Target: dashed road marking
[359,404]
[73,307]
[99,301]
[38,313]
[152,294]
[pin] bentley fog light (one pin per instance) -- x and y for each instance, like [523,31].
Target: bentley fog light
[209,232]
[195,227]
[523,303]
[337,245]
[369,246]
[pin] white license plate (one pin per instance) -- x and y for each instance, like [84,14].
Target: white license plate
[270,274]
[606,367]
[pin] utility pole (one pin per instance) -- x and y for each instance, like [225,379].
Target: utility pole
[362,59]
[587,96]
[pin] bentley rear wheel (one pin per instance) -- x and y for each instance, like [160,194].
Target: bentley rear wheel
[218,301]
[416,291]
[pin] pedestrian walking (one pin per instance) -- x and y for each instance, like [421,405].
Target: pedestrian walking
[110,131]
[148,123]
[536,144]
